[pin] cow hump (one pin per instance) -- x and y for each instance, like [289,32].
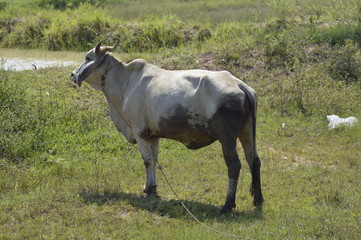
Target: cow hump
[136,64]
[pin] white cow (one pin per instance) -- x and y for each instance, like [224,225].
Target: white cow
[194,107]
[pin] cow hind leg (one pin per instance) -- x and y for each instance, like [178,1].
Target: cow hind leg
[234,167]
[246,138]
[225,126]
[256,182]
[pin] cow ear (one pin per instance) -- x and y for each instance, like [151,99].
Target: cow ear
[115,45]
[97,48]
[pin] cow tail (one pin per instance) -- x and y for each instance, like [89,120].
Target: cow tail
[252,97]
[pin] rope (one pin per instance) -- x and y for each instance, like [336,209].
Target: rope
[190,213]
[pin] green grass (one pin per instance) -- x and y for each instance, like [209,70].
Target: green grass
[65,173]
[82,180]
[149,25]
[200,11]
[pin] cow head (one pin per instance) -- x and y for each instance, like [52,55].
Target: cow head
[93,68]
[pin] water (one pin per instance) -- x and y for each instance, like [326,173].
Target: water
[21,59]
[19,64]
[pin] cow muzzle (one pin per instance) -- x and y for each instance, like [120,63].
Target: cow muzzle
[74,77]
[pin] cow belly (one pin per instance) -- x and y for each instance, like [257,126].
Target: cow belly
[191,139]
[194,140]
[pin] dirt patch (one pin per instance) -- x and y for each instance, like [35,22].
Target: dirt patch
[208,61]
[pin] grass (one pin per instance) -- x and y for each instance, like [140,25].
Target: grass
[200,11]
[82,180]
[65,173]
[144,26]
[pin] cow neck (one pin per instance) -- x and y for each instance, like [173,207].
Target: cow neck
[109,67]
[114,103]
[115,78]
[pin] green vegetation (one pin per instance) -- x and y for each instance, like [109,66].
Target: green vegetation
[64,4]
[65,173]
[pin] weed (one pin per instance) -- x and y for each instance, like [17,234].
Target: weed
[283,8]
[333,198]
[346,65]
[63,4]
[3,5]
[154,34]
[21,124]
[338,34]
[28,31]
[77,31]
[281,51]
[203,35]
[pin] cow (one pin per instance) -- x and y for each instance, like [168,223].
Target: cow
[194,107]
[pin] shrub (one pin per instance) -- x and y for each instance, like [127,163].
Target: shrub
[309,91]
[204,34]
[63,4]
[3,5]
[233,42]
[283,8]
[79,28]
[77,31]
[151,34]
[280,51]
[338,34]
[21,120]
[346,64]
[37,120]
[28,32]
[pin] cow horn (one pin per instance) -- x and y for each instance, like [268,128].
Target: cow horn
[97,48]
[115,45]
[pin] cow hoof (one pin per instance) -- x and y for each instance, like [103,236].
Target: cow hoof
[227,208]
[150,191]
[258,200]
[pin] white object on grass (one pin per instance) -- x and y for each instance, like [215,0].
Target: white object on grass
[335,121]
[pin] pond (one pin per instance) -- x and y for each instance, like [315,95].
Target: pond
[21,59]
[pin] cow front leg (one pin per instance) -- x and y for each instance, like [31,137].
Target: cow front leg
[149,150]
[150,169]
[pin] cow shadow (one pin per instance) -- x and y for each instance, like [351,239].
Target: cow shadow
[171,208]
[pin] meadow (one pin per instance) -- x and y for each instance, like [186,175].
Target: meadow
[65,173]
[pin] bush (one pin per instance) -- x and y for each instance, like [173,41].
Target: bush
[338,34]
[55,30]
[204,34]
[81,28]
[152,34]
[3,5]
[28,32]
[76,32]
[233,42]
[280,51]
[346,64]
[41,114]
[21,120]
[308,92]
[63,4]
